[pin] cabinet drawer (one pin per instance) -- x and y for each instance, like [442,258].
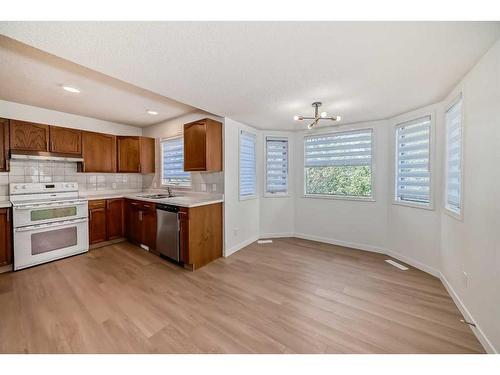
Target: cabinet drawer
[97,204]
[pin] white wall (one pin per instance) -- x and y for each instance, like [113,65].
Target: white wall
[354,223]
[413,234]
[473,245]
[200,181]
[277,214]
[242,218]
[24,112]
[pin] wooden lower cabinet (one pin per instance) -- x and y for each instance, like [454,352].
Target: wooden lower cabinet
[4,145]
[105,220]
[114,218]
[200,235]
[200,231]
[140,218]
[5,237]
[97,221]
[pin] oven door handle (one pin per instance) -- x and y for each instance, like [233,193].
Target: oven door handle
[50,225]
[53,205]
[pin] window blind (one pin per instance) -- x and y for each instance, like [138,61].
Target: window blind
[276,165]
[413,161]
[173,163]
[247,164]
[453,156]
[339,149]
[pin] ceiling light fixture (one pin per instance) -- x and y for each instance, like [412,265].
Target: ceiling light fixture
[151,112]
[317,116]
[71,89]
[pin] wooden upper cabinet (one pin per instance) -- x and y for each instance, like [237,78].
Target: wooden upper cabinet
[99,152]
[203,146]
[65,141]
[136,154]
[4,145]
[28,136]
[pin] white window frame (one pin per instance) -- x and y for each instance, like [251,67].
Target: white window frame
[371,198]
[432,136]
[179,186]
[253,196]
[447,210]
[278,194]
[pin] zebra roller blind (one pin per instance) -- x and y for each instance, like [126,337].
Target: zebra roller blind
[173,163]
[352,148]
[276,165]
[454,157]
[413,176]
[247,165]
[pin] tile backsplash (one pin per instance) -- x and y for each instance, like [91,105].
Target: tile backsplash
[54,171]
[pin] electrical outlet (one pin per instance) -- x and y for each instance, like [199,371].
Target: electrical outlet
[235,231]
[214,187]
[113,185]
[466,279]
[203,187]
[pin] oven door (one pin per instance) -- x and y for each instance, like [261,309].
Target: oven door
[34,214]
[42,243]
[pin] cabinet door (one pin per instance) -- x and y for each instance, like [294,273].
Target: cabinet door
[97,222]
[4,145]
[5,237]
[65,141]
[129,160]
[99,152]
[147,155]
[149,227]
[133,222]
[28,136]
[114,218]
[195,146]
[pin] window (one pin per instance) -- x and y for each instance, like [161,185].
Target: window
[339,164]
[276,166]
[413,176]
[454,158]
[172,170]
[247,165]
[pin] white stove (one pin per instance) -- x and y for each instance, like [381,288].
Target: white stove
[50,222]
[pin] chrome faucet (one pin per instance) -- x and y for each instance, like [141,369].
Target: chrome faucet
[169,192]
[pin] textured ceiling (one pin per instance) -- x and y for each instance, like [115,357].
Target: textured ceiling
[262,73]
[34,77]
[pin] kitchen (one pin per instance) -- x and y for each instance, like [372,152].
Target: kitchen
[183,226]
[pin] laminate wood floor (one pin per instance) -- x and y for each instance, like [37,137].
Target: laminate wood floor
[291,296]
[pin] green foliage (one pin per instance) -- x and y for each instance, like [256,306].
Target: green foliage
[349,181]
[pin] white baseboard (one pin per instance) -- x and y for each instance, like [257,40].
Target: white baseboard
[414,263]
[332,241]
[487,345]
[276,235]
[240,246]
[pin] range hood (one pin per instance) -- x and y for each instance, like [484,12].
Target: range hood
[45,157]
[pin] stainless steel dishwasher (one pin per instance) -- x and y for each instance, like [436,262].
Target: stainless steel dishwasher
[167,231]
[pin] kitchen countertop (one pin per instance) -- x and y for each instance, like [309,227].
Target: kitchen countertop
[183,200]
[4,204]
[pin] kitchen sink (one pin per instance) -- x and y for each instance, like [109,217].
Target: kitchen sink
[157,196]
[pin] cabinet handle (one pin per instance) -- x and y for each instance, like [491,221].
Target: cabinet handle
[139,167]
[140,215]
[90,215]
[8,216]
[52,146]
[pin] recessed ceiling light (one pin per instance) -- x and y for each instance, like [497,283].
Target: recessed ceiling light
[71,89]
[150,112]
